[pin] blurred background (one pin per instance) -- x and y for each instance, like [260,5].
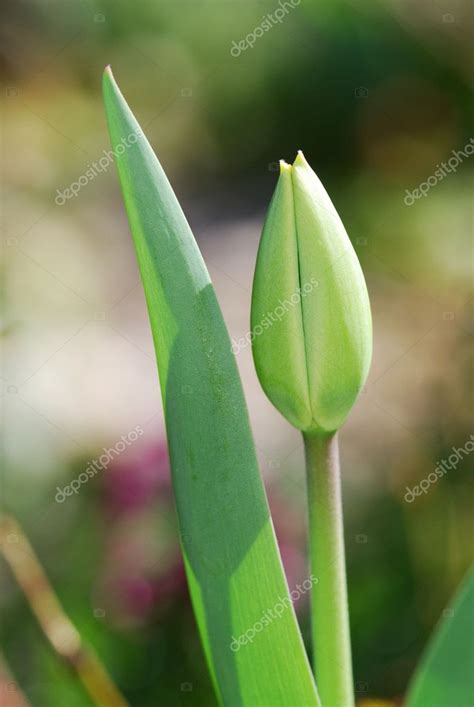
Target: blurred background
[378,96]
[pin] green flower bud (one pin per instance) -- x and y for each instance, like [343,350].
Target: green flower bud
[311,322]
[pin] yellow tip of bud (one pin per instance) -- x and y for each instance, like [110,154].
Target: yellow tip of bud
[300,160]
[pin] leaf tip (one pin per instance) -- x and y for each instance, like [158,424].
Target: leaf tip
[108,77]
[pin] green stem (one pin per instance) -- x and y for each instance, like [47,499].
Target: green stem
[329,608]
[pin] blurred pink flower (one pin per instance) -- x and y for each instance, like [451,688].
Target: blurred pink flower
[131,486]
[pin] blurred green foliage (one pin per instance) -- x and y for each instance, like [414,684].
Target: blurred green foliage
[376,94]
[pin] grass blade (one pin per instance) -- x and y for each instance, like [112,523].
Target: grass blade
[232,560]
[444,676]
[58,629]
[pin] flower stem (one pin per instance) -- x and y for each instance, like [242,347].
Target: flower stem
[329,608]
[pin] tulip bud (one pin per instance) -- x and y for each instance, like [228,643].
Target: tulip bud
[311,322]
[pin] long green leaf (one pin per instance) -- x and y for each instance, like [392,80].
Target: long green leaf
[232,561]
[445,676]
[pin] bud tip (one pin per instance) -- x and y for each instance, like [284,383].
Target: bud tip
[300,160]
